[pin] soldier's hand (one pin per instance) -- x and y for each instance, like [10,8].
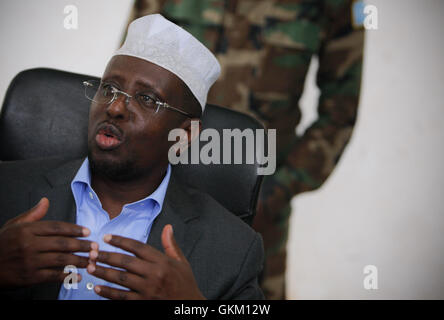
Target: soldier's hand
[33,251]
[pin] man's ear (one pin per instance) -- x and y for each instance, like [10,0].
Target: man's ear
[193,129]
[192,126]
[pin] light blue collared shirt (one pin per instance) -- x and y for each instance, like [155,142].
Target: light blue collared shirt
[134,221]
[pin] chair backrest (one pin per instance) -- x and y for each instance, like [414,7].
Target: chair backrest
[45,113]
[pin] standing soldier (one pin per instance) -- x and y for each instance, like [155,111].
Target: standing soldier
[265,48]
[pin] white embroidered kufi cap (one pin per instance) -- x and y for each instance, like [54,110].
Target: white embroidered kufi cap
[158,40]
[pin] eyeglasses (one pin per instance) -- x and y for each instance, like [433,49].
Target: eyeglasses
[105,93]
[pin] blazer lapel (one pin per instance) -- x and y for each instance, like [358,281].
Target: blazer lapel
[180,213]
[56,186]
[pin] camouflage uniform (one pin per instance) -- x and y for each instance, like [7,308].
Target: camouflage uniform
[265,48]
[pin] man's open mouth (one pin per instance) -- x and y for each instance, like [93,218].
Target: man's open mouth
[108,136]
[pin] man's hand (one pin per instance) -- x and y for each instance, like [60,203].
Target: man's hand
[150,274]
[33,251]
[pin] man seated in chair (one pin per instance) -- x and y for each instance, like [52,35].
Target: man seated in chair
[120,218]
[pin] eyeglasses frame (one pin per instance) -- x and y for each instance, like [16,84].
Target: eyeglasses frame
[116,92]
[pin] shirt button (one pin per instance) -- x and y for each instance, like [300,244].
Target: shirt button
[91,195]
[89,286]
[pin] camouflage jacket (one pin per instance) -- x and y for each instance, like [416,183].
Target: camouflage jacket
[265,48]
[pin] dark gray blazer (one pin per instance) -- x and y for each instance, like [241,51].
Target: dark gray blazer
[225,254]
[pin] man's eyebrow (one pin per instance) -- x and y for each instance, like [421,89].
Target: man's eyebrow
[141,83]
[146,85]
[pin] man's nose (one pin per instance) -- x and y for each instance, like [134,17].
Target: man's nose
[119,107]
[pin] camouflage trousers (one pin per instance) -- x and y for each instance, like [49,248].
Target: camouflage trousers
[273,227]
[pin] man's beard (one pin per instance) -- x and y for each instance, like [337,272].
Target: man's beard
[116,171]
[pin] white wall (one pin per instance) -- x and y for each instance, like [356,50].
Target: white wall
[383,203]
[32,34]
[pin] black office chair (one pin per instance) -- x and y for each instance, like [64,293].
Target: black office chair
[45,113]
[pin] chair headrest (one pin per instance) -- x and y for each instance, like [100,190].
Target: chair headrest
[45,113]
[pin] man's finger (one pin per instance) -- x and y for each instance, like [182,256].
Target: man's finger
[34,214]
[121,277]
[50,275]
[140,249]
[54,275]
[62,244]
[59,228]
[115,294]
[52,260]
[169,244]
[120,260]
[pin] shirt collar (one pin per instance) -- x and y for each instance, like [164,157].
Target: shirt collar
[83,176]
